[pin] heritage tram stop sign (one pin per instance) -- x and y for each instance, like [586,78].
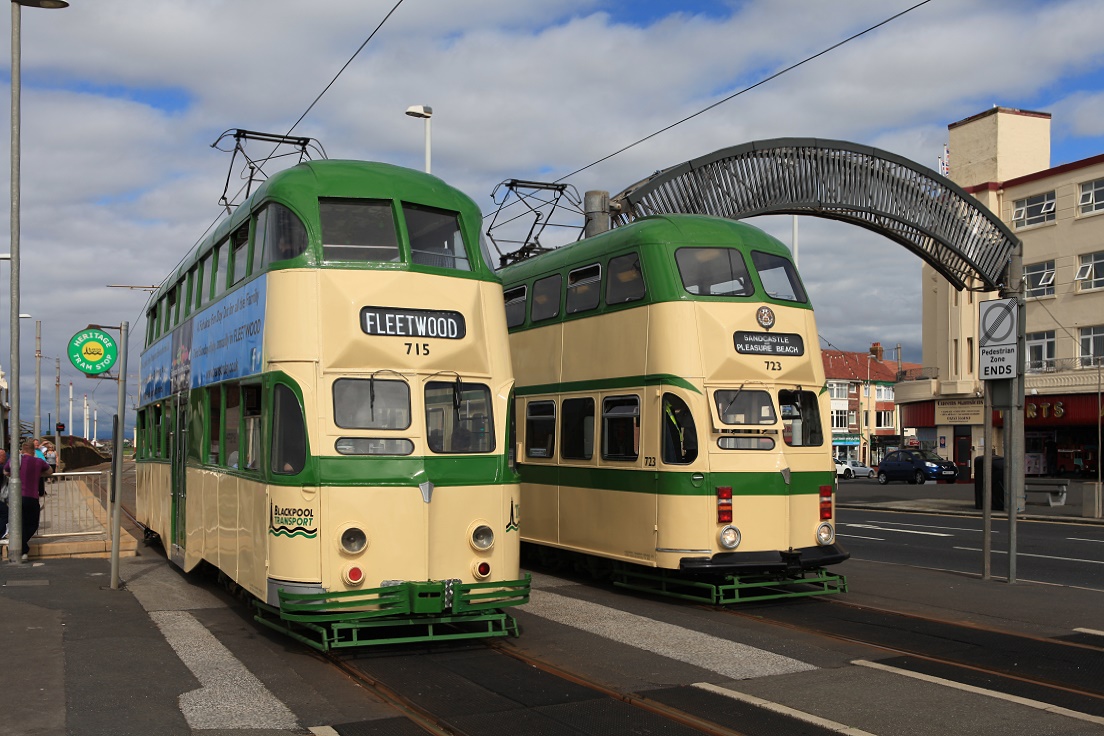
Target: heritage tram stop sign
[93,351]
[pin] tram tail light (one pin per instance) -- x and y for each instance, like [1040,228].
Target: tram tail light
[825,503]
[724,504]
[481,569]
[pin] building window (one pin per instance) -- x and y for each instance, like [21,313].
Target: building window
[884,419]
[1092,345]
[1092,196]
[1040,351]
[1090,271]
[839,419]
[852,418]
[1040,279]
[1033,210]
[837,390]
[884,393]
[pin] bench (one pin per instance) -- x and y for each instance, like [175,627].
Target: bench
[1055,488]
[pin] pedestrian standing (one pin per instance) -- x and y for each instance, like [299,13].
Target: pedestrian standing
[4,491]
[31,470]
[51,458]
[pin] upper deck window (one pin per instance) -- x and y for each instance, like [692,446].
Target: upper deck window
[584,288]
[779,277]
[713,272]
[239,242]
[546,298]
[358,230]
[625,282]
[222,254]
[284,235]
[515,306]
[435,238]
[459,418]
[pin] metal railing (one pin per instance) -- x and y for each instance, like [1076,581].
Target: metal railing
[76,504]
[1061,365]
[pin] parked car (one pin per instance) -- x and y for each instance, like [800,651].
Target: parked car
[915,466]
[853,469]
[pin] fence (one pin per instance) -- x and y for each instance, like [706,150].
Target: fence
[76,504]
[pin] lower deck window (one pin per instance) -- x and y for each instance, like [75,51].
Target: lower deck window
[621,428]
[801,426]
[540,429]
[577,429]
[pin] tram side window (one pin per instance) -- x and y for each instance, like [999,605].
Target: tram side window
[459,417]
[259,225]
[371,403]
[584,288]
[540,429]
[546,298]
[577,429]
[515,306]
[232,424]
[214,414]
[197,403]
[203,284]
[801,426]
[251,427]
[621,428]
[156,436]
[358,230]
[189,290]
[713,272]
[222,255]
[239,243]
[285,234]
[680,434]
[779,277]
[435,237]
[625,282]
[173,315]
[289,436]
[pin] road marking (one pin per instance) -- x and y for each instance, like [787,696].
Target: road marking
[1041,557]
[982,691]
[930,526]
[229,696]
[1078,539]
[1093,632]
[899,531]
[856,536]
[782,709]
[728,658]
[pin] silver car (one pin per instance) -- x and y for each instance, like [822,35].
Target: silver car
[853,469]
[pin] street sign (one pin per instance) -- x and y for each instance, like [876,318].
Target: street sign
[93,351]
[998,356]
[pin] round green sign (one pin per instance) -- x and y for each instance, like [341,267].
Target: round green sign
[93,351]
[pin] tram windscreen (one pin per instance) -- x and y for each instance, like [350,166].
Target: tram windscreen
[358,230]
[459,417]
[435,238]
[744,406]
[371,403]
[778,276]
[801,426]
[713,272]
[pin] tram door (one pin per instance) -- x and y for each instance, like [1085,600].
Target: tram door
[177,454]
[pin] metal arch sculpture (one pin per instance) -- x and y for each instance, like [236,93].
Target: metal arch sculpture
[887,194]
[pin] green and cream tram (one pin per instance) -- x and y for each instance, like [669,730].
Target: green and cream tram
[672,410]
[326,399]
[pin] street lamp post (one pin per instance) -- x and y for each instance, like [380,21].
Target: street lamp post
[425,112]
[15,499]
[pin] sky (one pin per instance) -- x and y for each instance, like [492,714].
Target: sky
[122,99]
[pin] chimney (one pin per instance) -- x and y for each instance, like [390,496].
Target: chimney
[877,351]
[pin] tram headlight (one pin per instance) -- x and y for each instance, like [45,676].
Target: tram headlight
[729,537]
[354,540]
[482,538]
[825,534]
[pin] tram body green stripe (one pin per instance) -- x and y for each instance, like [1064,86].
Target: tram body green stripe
[606,384]
[481,470]
[676,483]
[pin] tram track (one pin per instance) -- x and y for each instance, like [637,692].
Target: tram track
[1061,674]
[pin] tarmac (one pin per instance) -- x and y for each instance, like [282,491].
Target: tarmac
[148,657]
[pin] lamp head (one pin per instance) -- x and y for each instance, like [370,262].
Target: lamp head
[420,111]
[48,4]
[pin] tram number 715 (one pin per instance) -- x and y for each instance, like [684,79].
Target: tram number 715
[417,348]
[772,365]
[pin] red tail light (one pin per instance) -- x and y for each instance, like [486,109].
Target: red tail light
[825,503]
[484,569]
[724,504]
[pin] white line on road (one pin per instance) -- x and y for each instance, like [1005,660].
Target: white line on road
[856,536]
[784,710]
[1093,632]
[727,658]
[1041,557]
[982,691]
[1079,539]
[230,696]
[899,531]
[930,526]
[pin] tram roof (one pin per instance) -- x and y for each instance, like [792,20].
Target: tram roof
[300,186]
[645,234]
